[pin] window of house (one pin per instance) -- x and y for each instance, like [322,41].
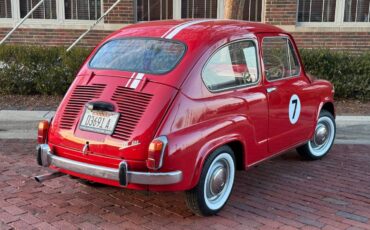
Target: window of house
[252,10]
[357,11]
[279,58]
[199,9]
[232,66]
[82,9]
[316,10]
[148,10]
[46,10]
[5,9]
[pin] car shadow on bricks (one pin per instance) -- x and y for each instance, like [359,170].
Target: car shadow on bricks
[282,192]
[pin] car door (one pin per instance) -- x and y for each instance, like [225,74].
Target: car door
[233,77]
[289,105]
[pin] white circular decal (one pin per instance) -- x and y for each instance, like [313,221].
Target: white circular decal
[294,109]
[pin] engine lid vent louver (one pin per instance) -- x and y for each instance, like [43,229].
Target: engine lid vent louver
[80,96]
[131,106]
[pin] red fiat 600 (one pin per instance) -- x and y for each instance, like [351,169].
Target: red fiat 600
[181,105]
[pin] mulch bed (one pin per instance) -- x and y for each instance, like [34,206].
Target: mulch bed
[352,107]
[39,102]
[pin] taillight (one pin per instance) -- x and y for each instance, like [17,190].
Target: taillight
[42,132]
[156,152]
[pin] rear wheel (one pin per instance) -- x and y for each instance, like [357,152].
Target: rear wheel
[322,140]
[215,183]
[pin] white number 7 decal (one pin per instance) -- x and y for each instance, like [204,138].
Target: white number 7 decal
[294,109]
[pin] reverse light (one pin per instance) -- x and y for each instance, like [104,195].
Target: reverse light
[42,132]
[156,153]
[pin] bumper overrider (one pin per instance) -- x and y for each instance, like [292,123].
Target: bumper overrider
[122,174]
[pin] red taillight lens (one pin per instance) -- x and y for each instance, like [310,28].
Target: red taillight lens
[42,132]
[155,153]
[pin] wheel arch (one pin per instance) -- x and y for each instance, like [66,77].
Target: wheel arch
[239,151]
[237,145]
[328,106]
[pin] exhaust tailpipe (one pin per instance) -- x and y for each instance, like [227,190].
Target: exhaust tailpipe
[42,178]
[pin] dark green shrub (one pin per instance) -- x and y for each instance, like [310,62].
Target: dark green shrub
[38,70]
[350,74]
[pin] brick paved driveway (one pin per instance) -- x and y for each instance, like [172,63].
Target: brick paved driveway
[284,193]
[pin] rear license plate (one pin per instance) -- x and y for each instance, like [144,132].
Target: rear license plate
[99,121]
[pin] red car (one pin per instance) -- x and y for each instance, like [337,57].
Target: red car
[180,105]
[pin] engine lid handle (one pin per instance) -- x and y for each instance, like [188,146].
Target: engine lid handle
[100,105]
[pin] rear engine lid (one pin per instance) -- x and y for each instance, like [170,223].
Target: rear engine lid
[139,111]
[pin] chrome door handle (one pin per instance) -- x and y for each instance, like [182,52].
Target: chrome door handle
[271,89]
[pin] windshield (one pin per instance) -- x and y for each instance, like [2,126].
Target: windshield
[153,56]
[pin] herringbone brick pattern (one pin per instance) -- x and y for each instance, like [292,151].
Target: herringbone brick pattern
[284,193]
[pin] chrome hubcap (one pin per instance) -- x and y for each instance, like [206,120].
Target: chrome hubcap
[323,137]
[321,134]
[218,181]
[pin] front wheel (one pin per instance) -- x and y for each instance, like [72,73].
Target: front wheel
[215,183]
[322,140]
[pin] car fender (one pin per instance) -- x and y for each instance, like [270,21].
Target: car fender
[188,148]
[320,107]
[210,147]
[328,91]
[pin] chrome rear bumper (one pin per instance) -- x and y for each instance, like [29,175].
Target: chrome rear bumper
[46,158]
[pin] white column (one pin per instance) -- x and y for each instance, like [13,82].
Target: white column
[176,9]
[339,11]
[60,11]
[220,9]
[16,15]
[263,13]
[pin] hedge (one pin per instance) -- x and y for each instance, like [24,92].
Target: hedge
[349,73]
[31,70]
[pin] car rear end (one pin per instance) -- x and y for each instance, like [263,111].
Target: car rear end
[105,128]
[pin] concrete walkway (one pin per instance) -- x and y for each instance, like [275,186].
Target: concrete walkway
[15,124]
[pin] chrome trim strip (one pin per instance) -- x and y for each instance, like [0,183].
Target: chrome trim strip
[147,178]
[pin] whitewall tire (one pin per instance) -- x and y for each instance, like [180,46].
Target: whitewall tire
[322,140]
[215,183]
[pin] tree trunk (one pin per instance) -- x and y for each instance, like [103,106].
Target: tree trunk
[229,9]
[234,9]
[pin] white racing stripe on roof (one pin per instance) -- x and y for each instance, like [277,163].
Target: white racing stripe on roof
[137,80]
[129,81]
[172,28]
[178,29]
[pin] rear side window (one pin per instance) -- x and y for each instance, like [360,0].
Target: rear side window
[279,58]
[232,66]
[151,56]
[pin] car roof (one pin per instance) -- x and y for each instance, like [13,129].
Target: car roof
[215,29]
[201,37]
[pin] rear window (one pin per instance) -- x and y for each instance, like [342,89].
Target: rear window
[153,56]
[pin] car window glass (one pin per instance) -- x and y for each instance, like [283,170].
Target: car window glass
[279,58]
[142,55]
[232,66]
